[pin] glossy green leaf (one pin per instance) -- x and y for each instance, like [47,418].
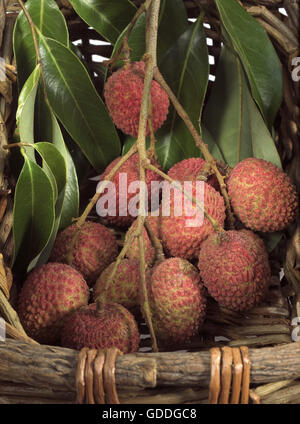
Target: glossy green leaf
[33,214]
[185,68]
[77,105]
[257,54]
[107,17]
[49,20]
[25,111]
[47,128]
[233,118]
[271,240]
[55,164]
[172,23]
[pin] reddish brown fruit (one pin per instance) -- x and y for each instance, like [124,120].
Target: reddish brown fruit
[123,93]
[184,241]
[124,287]
[177,300]
[262,196]
[236,271]
[112,326]
[133,251]
[122,215]
[95,248]
[192,169]
[48,295]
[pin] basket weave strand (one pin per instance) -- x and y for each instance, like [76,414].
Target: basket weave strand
[95,376]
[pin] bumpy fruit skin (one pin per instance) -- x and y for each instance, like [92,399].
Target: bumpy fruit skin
[181,240]
[112,326]
[177,301]
[190,170]
[121,197]
[262,195]
[133,251]
[236,272]
[95,248]
[124,287]
[123,93]
[48,295]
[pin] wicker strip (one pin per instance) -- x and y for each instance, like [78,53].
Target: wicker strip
[215,380]
[226,376]
[237,376]
[80,380]
[109,375]
[98,378]
[89,376]
[95,376]
[230,372]
[246,375]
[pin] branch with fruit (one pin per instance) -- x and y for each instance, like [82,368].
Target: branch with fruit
[166,267]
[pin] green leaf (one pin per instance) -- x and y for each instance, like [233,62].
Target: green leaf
[33,213]
[25,111]
[47,128]
[55,168]
[77,105]
[233,118]
[107,17]
[271,239]
[49,20]
[257,54]
[185,68]
[172,23]
[55,164]
[211,144]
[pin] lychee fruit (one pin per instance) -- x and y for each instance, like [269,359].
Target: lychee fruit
[48,295]
[124,287]
[192,169]
[111,326]
[123,94]
[182,235]
[94,249]
[120,205]
[262,196]
[177,300]
[133,251]
[235,269]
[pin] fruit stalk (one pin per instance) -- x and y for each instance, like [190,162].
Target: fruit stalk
[150,59]
[81,220]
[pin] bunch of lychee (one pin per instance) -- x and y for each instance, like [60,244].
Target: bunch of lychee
[60,301]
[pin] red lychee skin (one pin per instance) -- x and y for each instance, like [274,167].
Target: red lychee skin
[262,196]
[95,248]
[177,300]
[123,93]
[237,271]
[190,170]
[182,241]
[124,287]
[112,326]
[48,295]
[133,252]
[131,168]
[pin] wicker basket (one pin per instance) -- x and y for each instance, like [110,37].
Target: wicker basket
[219,360]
